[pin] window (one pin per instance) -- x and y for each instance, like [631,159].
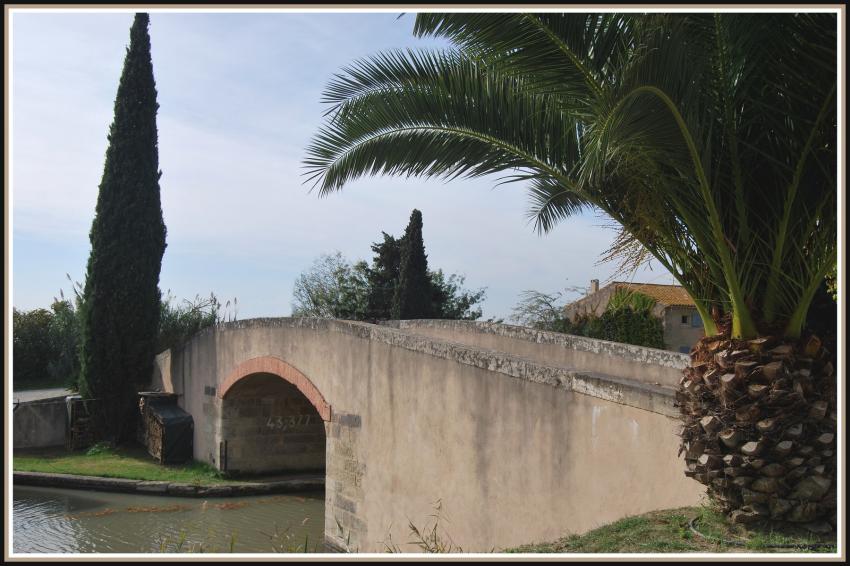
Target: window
[684,319]
[696,321]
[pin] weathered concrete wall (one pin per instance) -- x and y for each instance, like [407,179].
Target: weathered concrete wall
[271,427]
[648,365]
[39,424]
[516,450]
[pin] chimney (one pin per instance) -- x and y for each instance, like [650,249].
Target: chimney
[594,286]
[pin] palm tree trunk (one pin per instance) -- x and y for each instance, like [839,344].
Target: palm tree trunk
[759,427]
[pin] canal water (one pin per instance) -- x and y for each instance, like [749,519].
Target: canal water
[74,521]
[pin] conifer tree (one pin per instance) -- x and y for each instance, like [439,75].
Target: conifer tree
[413,294]
[121,299]
[383,277]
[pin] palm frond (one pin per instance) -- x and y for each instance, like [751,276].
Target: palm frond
[709,138]
[552,202]
[420,124]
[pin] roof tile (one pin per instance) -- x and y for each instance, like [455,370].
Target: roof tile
[670,295]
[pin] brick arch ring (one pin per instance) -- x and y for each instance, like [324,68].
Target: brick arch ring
[289,373]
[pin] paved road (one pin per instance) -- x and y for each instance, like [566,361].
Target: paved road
[36,394]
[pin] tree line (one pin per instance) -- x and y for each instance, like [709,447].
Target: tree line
[397,285]
[46,342]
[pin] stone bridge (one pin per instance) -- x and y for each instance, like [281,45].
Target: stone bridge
[522,435]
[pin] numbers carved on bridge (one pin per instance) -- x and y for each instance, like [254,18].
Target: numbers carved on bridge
[290,422]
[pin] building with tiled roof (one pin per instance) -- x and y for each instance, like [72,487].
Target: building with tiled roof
[680,319]
[670,295]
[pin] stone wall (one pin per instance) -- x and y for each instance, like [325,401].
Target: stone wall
[344,527]
[39,424]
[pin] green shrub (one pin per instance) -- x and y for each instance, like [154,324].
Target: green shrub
[31,345]
[178,323]
[64,336]
[627,319]
[46,342]
[44,346]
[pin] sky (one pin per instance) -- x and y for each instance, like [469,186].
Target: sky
[240,99]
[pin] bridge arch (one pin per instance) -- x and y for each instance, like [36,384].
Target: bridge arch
[273,419]
[279,368]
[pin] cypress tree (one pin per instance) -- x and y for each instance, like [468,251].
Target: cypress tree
[383,277]
[413,294]
[121,298]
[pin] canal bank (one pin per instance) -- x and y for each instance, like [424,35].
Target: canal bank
[294,484]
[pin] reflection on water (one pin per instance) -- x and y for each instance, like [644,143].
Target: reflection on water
[70,521]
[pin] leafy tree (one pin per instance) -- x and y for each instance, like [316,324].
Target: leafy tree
[64,332]
[332,288]
[544,311]
[450,300]
[412,297]
[335,288]
[121,299]
[32,348]
[46,342]
[710,138]
[448,297]
[45,346]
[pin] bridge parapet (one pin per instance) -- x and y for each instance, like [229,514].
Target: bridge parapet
[634,381]
[649,365]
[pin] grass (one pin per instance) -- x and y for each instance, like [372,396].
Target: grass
[668,531]
[130,462]
[43,384]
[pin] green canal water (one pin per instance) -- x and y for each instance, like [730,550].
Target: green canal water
[51,520]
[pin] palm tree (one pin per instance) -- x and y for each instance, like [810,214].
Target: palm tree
[710,139]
